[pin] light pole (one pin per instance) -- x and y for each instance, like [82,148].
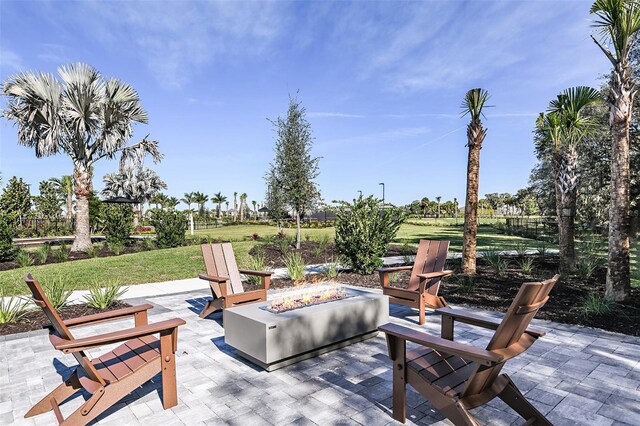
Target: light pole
[382,183]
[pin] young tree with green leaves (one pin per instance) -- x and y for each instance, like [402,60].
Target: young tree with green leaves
[64,185]
[49,202]
[15,201]
[619,22]
[83,115]
[294,168]
[274,199]
[474,102]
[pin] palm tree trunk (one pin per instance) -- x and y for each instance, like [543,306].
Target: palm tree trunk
[82,185]
[69,215]
[564,169]
[618,284]
[471,211]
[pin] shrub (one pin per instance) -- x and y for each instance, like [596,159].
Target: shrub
[43,253]
[595,304]
[331,271]
[467,283]
[170,227]
[317,252]
[257,263]
[255,236]
[521,249]
[57,292]
[526,264]
[12,308]
[62,254]
[493,258]
[543,251]
[23,258]
[104,297]
[295,266]
[115,247]
[7,230]
[149,243]
[364,231]
[118,222]
[92,252]
[588,260]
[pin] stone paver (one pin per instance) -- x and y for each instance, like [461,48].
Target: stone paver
[576,375]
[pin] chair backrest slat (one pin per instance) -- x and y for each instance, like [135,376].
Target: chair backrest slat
[530,298]
[431,257]
[41,299]
[220,261]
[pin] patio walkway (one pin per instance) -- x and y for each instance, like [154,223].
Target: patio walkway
[574,374]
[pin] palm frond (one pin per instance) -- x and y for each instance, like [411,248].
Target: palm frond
[473,103]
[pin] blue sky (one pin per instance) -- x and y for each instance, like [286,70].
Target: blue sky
[382,83]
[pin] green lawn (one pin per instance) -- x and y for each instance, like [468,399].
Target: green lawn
[186,262]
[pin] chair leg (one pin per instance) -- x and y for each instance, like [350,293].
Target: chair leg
[459,415]
[422,308]
[168,360]
[211,307]
[512,396]
[60,394]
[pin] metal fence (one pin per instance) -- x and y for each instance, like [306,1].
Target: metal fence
[532,227]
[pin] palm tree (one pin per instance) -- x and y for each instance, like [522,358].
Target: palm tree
[235,206]
[438,198]
[473,103]
[618,21]
[64,185]
[159,199]
[188,199]
[82,114]
[563,128]
[200,199]
[218,199]
[134,182]
[172,202]
[226,212]
[243,204]
[255,210]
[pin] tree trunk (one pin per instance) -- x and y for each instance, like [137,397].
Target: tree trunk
[618,283]
[471,211]
[564,170]
[82,185]
[297,230]
[69,215]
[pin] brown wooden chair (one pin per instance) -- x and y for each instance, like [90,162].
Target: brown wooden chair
[115,374]
[426,275]
[224,278]
[456,377]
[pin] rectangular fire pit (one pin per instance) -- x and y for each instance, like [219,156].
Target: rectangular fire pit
[275,340]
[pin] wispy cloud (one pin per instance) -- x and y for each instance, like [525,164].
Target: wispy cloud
[10,61]
[393,135]
[319,114]
[178,39]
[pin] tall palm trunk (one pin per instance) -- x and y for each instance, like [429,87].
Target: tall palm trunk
[471,203]
[565,174]
[235,206]
[618,284]
[82,187]
[69,214]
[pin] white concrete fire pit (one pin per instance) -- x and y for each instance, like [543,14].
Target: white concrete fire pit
[274,340]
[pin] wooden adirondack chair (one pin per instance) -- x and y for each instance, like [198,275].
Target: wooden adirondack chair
[115,374]
[456,377]
[224,278]
[426,275]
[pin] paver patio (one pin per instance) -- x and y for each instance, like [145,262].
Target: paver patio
[574,375]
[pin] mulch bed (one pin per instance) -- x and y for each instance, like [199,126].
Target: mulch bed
[34,320]
[495,293]
[313,253]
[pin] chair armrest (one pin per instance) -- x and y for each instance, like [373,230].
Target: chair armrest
[482,321]
[256,273]
[430,275]
[394,269]
[466,352]
[76,345]
[106,316]
[213,278]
